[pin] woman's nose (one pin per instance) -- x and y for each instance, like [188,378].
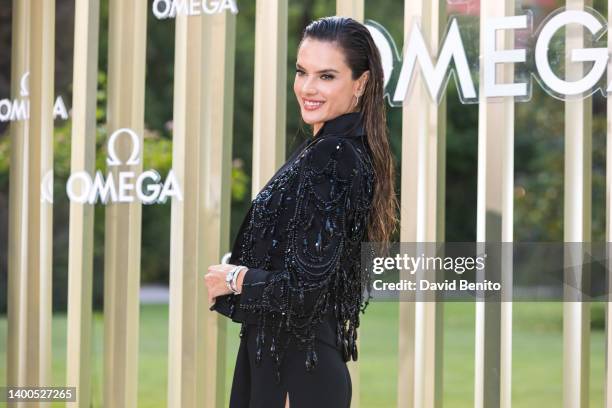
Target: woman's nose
[308,88]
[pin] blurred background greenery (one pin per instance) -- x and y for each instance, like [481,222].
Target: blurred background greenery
[538,212]
[538,137]
[537,356]
[539,146]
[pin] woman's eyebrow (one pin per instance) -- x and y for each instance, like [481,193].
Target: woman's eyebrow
[298,66]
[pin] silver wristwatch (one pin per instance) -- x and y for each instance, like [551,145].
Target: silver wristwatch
[232,277]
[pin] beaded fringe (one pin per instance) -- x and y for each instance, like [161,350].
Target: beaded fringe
[322,258]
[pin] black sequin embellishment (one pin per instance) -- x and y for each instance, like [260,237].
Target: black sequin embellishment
[304,235]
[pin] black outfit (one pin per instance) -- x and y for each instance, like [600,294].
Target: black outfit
[304,289]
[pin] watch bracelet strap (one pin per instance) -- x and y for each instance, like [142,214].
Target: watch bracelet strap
[233,287]
[230,276]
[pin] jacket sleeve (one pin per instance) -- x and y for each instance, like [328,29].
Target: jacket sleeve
[322,244]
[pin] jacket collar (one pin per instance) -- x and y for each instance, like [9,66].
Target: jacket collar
[348,124]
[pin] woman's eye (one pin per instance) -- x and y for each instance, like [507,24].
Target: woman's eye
[327,77]
[299,72]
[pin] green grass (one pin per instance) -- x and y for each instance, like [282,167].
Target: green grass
[537,356]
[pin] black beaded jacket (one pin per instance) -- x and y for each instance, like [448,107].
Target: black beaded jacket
[301,242]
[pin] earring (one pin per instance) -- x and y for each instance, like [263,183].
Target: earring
[357,100]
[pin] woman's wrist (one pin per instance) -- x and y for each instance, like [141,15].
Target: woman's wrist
[243,270]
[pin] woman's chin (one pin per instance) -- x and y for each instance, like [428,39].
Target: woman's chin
[311,118]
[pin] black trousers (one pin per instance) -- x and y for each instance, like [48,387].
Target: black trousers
[326,386]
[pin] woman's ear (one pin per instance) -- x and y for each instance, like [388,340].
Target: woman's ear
[362,81]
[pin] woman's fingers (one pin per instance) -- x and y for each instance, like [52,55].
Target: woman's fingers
[209,280]
[215,281]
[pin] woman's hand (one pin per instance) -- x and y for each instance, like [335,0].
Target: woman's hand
[215,280]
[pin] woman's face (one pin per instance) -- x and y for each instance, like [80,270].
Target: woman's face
[323,84]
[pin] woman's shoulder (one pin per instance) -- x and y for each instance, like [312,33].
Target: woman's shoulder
[348,154]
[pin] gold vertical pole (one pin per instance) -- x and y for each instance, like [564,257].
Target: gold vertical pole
[18,204]
[493,337]
[203,109]
[40,212]
[577,224]
[350,8]
[422,220]
[353,9]
[182,334]
[83,158]
[215,197]
[126,79]
[270,98]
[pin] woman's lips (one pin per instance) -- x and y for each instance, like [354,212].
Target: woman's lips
[311,105]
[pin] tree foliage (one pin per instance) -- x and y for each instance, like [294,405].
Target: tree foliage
[539,142]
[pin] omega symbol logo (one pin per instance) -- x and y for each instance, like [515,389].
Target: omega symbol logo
[118,187]
[134,158]
[14,110]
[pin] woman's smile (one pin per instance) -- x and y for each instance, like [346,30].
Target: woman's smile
[311,104]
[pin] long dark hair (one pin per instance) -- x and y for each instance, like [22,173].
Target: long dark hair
[361,55]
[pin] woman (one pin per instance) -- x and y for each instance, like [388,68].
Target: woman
[294,280]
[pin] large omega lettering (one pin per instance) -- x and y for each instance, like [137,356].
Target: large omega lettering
[19,109]
[82,189]
[437,73]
